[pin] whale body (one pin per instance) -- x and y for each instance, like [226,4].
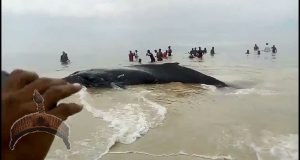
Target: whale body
[141,74]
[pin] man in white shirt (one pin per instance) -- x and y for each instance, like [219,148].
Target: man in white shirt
[267,48]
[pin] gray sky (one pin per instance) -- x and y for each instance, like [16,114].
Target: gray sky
[87,26]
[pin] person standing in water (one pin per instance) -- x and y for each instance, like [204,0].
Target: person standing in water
[274,49]
[64,57]
[130,55]
[204,51]
[155,51]
[192,52]
[267,48]
[159,55]
[151,56]
[247,51]
[169,51]
[136,56]
[165,54]
[212,51]
[200,53]
[256,47]
[195,52]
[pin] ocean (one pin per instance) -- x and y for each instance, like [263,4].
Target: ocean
[255,119]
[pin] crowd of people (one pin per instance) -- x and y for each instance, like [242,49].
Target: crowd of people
[159,55]
[133,55]
[266,49]
[199,53]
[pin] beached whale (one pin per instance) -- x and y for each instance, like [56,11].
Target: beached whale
[141,74]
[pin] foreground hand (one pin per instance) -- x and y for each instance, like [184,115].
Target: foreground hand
[17,101]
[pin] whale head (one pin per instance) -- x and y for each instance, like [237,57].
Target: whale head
[91,78]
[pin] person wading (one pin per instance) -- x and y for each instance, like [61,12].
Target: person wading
[150,55]
[169,51]
[159,55]
[130,55]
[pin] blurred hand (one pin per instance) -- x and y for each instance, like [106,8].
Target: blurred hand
[17,101]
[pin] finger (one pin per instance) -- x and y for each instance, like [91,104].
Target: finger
[64,110]
[18,79]
[41,84]
[56,93]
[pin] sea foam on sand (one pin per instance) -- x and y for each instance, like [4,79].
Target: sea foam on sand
[129,121]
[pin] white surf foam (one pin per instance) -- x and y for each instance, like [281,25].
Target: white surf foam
[253,91]
[286,147]
[180,153]
[277,147]
[129,121]
[209,87]
[159,110]
[265,146]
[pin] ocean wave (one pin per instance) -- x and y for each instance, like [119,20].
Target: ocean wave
[129,121]
[282,147]
[180,153]
[272,146]
[253,91]
[266,145]
[209,87]
[286,147]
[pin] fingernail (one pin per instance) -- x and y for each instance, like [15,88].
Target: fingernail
[77,85]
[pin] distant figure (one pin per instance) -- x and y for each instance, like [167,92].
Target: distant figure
[156,53]
[136,56]
[200,53]
[267,48]
[193,52]
[165,54]
[274,49]
[130,56]
[204,51]
[212,51]
[258,52]
[151,56]
[247,51]
[140,61]
[64,58]
[169,51]
[256,47]
[190,52]
[159,55]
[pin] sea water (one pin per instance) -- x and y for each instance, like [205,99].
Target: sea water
[256,118]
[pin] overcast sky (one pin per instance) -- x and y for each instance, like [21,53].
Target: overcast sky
[83,26]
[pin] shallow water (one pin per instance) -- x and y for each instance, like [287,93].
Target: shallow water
[257,118]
